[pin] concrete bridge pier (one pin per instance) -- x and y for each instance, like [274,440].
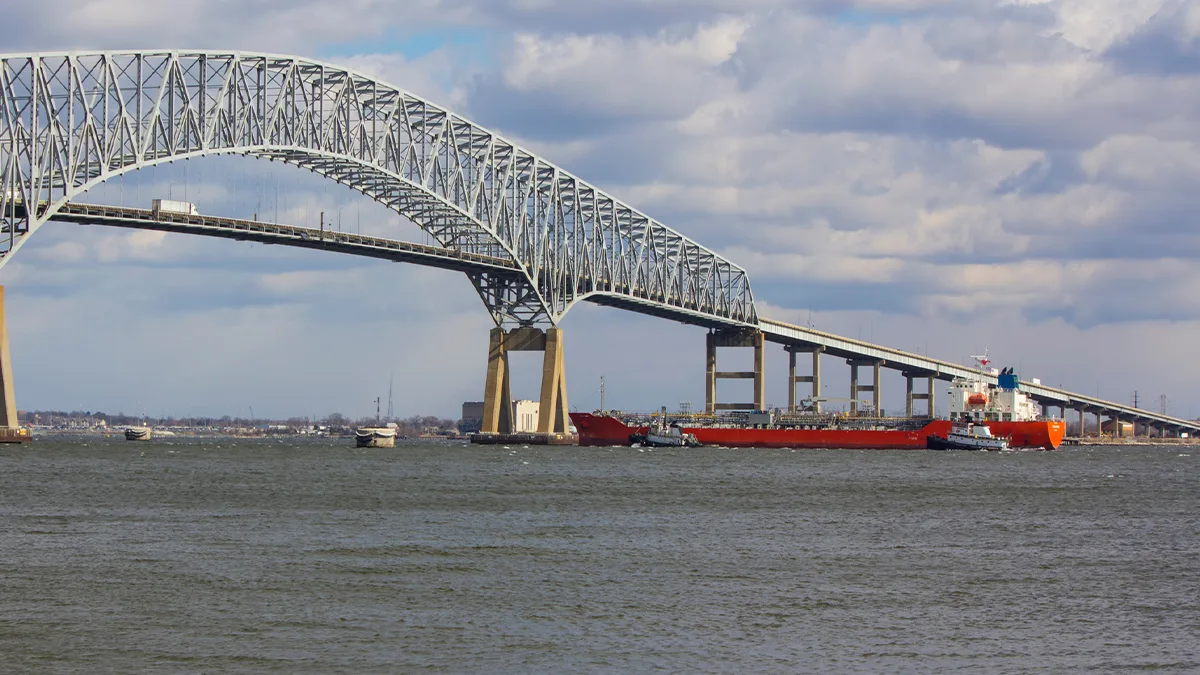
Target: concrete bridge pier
[497,393]
[552,418]
[8,398]
[497,396]
[735,338]
[815,378]
[1084,413]
[10,425]
[856,388]
[928,396]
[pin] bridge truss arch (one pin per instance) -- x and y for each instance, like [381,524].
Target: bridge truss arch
[69,121]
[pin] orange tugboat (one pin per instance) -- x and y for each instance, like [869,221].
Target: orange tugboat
[1003,409]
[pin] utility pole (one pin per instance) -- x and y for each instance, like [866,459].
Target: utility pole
[1135,398]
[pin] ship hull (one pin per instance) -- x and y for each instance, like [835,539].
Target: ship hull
[138,434]
[375,438]
[600,430]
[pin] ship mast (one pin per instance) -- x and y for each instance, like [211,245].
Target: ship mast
[983,361]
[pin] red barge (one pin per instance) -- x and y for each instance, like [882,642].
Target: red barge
[1004,410]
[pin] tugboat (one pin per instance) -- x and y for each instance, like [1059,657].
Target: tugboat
[660,435]
[968,436]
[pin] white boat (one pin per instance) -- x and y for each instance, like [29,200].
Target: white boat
[967,437]
[375,437]
[138,434]
[661,436]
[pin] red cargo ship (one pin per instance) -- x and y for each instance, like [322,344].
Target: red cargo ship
[1004,410]
[860,433]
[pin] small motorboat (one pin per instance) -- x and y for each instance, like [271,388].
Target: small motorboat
[968,436]
[375,437]
[661,435]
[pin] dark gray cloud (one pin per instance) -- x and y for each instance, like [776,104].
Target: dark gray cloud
[898,297]
[541,115]
[1162,46]
[1056,173]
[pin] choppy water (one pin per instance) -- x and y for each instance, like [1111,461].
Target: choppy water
[267,556]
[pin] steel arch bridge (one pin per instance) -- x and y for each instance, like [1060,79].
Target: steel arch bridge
[69,121]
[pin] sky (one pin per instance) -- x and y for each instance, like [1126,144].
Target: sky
[938,176]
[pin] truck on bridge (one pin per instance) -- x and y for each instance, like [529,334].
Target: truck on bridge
[172,206]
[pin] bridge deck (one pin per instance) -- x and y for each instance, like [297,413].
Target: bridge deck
[275,233]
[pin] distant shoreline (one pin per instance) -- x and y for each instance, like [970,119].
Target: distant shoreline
[206,433]
[1139,441]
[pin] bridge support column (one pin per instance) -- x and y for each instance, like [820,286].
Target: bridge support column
[908,396]
[747,338]
[856,388]
[497,394]
[815,378]
[552,408]
[8,398]
[760,371]
[927,396]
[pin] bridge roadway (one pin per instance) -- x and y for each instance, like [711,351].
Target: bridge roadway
[287,235]
[788,335]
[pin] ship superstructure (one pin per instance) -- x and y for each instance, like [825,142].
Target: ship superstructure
[974,400]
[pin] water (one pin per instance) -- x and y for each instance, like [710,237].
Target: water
[216,555]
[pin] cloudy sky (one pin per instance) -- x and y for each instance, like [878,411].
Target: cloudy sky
[933,175]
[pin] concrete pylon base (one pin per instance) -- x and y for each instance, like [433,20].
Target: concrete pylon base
[553,418]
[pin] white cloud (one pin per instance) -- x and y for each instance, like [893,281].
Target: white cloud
[1097,24]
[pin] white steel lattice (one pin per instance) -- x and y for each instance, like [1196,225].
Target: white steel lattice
[69,121]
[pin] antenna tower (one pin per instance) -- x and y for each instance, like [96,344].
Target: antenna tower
[391,380]
[1162,404]
[376,409]
[602,408]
